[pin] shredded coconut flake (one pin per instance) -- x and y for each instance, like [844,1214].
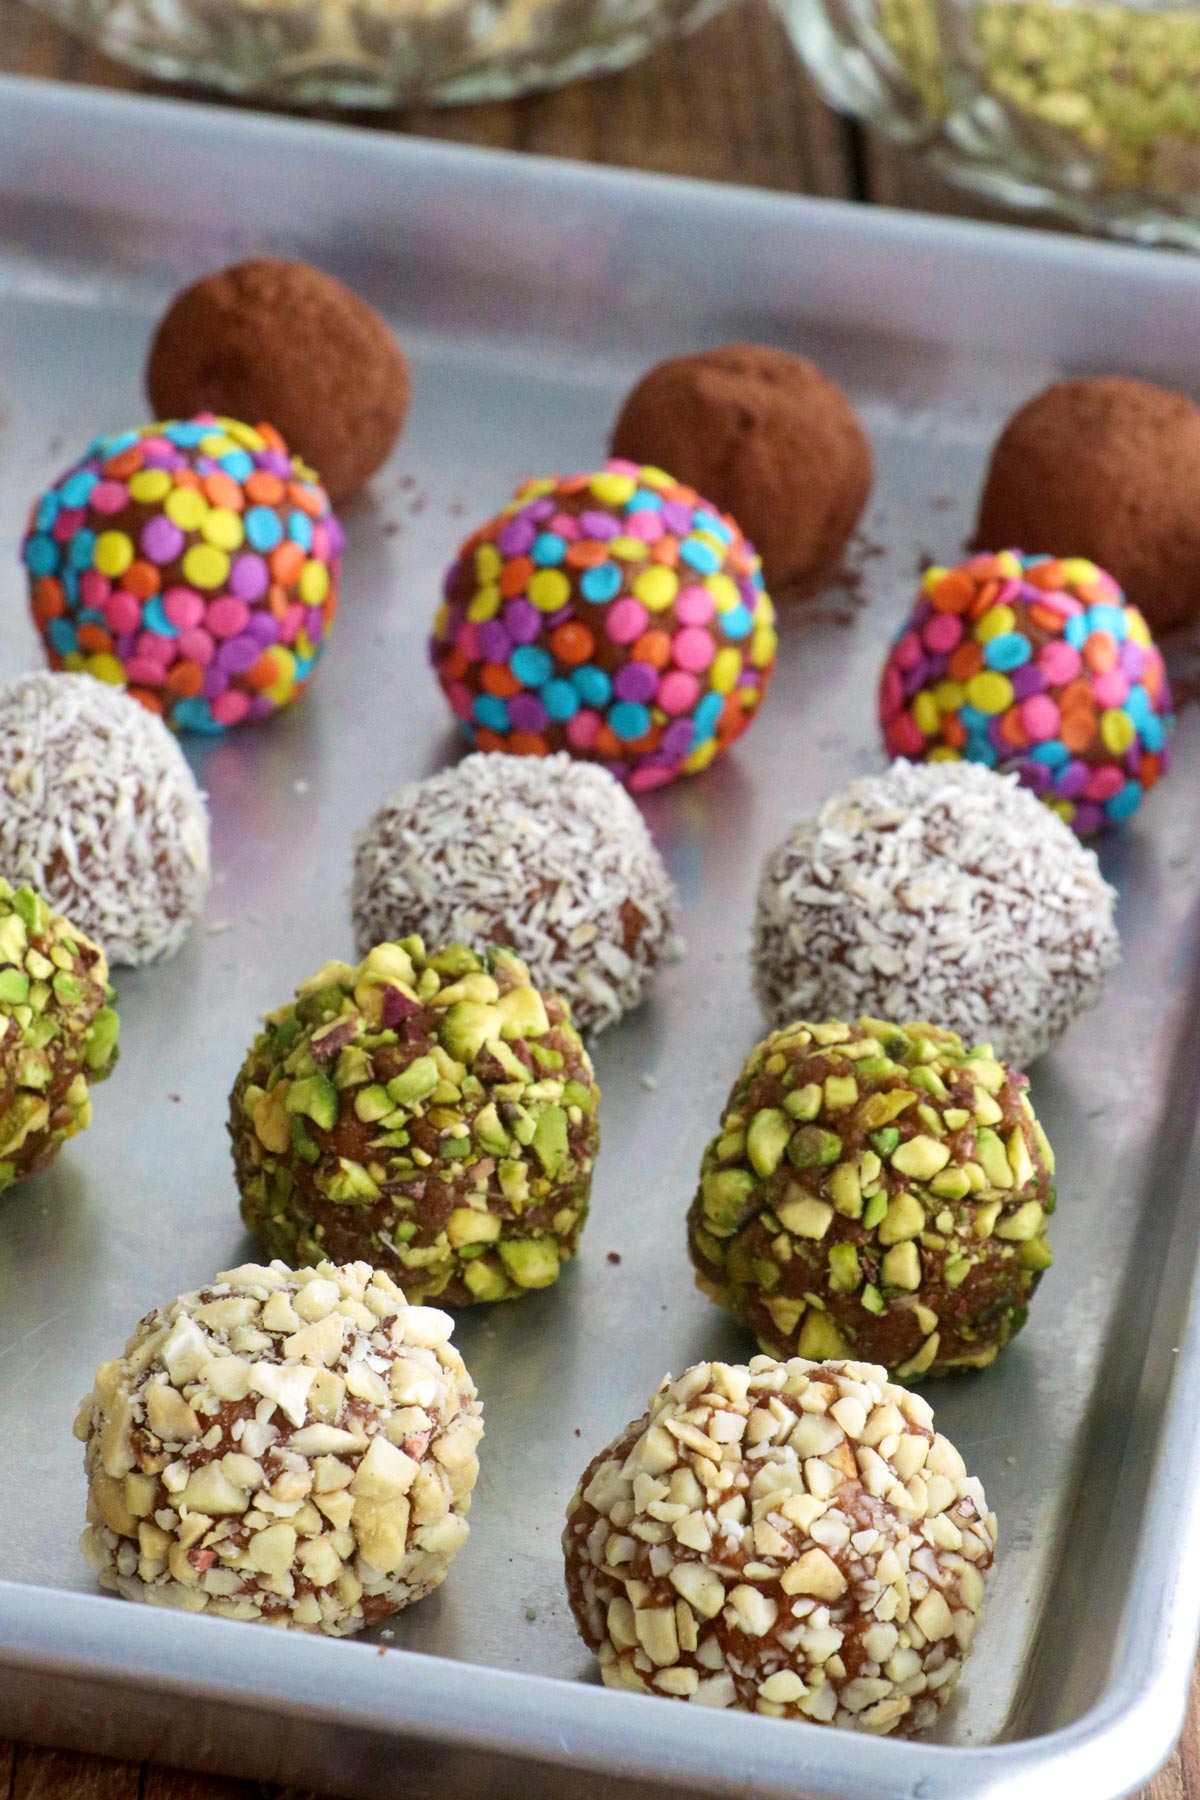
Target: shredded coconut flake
[545,854]
[939,891]
[101,814]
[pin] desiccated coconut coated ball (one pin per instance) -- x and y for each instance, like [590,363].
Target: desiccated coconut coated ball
[936,891]
[766,436]
[614,614]
[546,855]
[879,1191]
[296,1446]
[101,814]
[792,1539]
[434,1112]
[285,342]
[194,561]
[58,1031]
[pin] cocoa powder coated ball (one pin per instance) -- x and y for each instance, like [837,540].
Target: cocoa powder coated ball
[1105,468]
[768,438]
[284,343]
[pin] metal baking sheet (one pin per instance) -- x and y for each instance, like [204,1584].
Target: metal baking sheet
[529,295]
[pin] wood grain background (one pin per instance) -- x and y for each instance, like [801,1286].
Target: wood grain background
[729,104]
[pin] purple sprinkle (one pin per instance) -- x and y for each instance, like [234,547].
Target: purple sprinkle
[216,681]
[163,456]
[249,577]
[677,517]
[263,627]
[161,541]
[637,681]
[553,620]
[450,581]
[1071,780]
[260,707]
[1088,818]
[995,733]
[495,644]
[1027,680]
[337,538]
[600,525]
[125,645]
[516,537]
[527,713]
[1034,775]
[677,738]
[237,655]
[538,509]
[275,463]
[523,621]
[1133,659]
[1010,589]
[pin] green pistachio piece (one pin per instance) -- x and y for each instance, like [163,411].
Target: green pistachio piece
[881,1109]
[956,1270]
[993,1159]
[415,1083]
[523,1015]
[804,1103]
[468,1226]
[550,1143]
[873,1300]
[14,986]
[351,1182]
[875,1210]
[813,1147]
[490,1132]
[1036,1255]
[845,1189]
[467,1027]
[845,1275]
[531,1262]
[102,1039]
[1024,1224]
[885,1141]
[486,1281]
[951,1184]
[905,1218]
[316,1097]
[767,1139]
[840,1091]
[820,1338]
[1019,1159]
[901,1266]
[726,1194]
[514,1183]
[805,1216]
[920,1157]
[955,1117]
[13,938]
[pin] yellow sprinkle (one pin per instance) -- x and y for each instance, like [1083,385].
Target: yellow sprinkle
[931,578]
[314,582]
[1139,631]
[612,490]
[763,644]
[726,667]
[74,661]
[1010,564]
[994,623]
[204,566]
[106,668]
[990,691]
[549,589]
[764,610]
[185,507]
[1078,568]
[149,485]
[485,603]
[656,587]
[245,435]
[222,526]
[1064,808]
[280,690]
[488,562]
[944,753]
[652,477]
[926,715]
[724,592]
[949,695]
[533,490]
[441,619]
[112,553]
[216,444]
[628,549]
[701,756]
[1117,729]
[304,645]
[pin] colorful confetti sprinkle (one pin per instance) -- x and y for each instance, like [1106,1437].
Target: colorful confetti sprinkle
[194,562]
[1036,664]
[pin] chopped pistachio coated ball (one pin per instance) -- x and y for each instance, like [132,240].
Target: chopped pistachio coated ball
[878,1191]
[433,1112]
[791,1538]
[297,1446]
[58,1031]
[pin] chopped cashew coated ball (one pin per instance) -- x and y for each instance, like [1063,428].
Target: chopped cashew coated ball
[435,1113]
[296,1446]
[792,1539]
[58,1031]
[878,1191]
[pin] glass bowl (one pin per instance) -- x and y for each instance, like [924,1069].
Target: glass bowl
[1092,111]
[378,52]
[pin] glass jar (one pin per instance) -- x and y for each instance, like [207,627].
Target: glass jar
[378,52]
[1092,111]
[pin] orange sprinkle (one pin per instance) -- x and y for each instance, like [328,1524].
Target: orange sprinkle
[953,593]
[185,680]
[1049,576]
[1100,652]
[954,732]
[223,490]
[490,740]
[965,661]
[1150,770]
[527,743]
[607,743]
[515,576]
[305,499]
[1077,697]
[572,642]
[498,678]
[264,673]
[271,437]
[126,462]
[141,579]
[1012,730]
[94,637]
[653,647]
[1077,730]
[585,555]
[285,562]
[145,698]
[48,602]
[984,599]
[186,478]
[263,488]
[1047,619]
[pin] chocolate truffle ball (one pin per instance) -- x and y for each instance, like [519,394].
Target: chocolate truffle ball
[769,439]
[195,561]
[434,1113]
[296,1446]
[1038,665]
[287,343]
[875,1190]
[1109,469]
[101,814]
[792,1539]
[613,614]
[938,890]
[58,1031]
[543,854]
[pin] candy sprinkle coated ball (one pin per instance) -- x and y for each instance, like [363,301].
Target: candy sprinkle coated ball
[195,562]
[792,1539]
[879,1191]
[1035,664]
[614,614]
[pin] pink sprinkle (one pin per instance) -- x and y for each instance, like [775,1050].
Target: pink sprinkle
[904,736]
[943,632]
[694,606]
[227,617]
[1039,717]
[144,671]
[891,694]
[467,641]
[108,497]
[67,523]
[121,611]
[678,692]
[94,589]
[620,465]
[1111,688]
[693,649]
[1066,605]
[646,525]
[228,708]
[156,649]
[581,730]
[1104,783]
[460,699]
[625,621]
[183,606]
[1059,661]
[651,775]
[907,652]
[196,645]
[564,525]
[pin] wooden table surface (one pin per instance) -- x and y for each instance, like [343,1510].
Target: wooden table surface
[729,104]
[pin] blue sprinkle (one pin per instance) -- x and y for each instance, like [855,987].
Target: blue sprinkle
[1052,755]
[592,685]
[560,699]
[1125,801]
[706,715]
[41,555]
[70,586]
[299,529]
[47,511]
[548,549]
[195,714]
[264,529]
[645,500]
[699,555]
[155,619]
[237,463]
[467,729]
[186,435]
[601,584]
[981,750]
[708,521]
[1153,734]
[89,615]
[531,664]
[81,549]
[972,718]
[1076,630]
[629,720]
[738,622]
[113,446]
[77,488]
[1007,651]
[1109,618]
[62,636]
[490,712]
[1139,705]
